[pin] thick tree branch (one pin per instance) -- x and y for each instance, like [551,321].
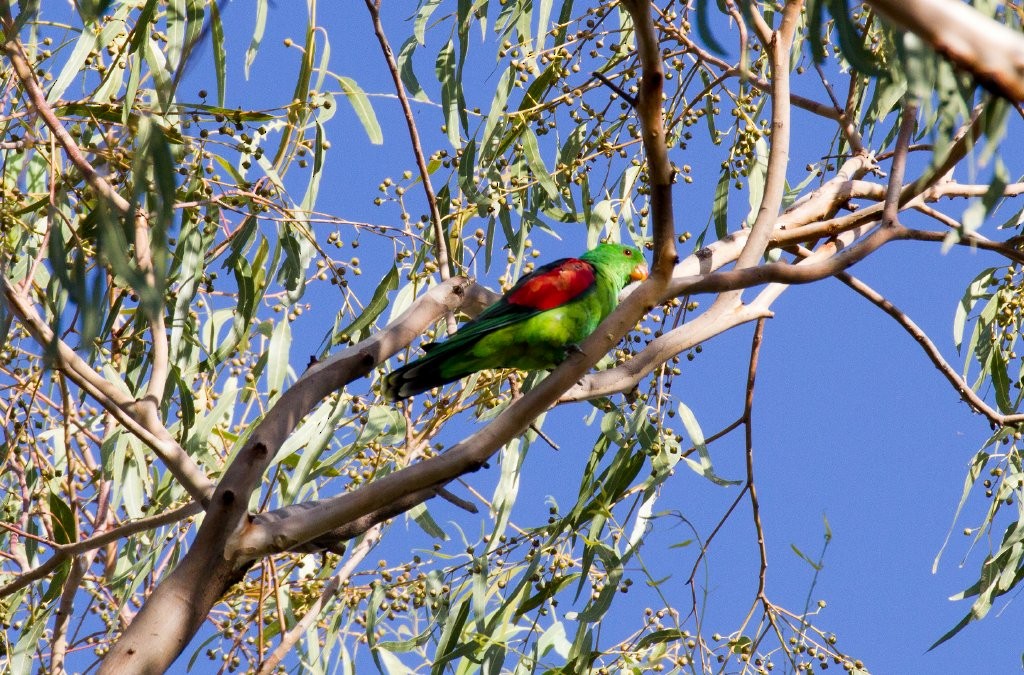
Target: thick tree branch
[971,40]
[179,605]
[779,46]
[652,123]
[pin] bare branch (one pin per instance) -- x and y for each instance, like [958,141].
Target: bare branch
[890,210]
[779,44]
[440,243]
[98,541]
[113,398]
[59,642]
[847,123]
[968,394]
[652,123]
[962,142]
[295,633]
[748,423]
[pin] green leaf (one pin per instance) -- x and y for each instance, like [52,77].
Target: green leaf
[257,35]
[598,607]
[408,74]
[373,309]
[64,526]
[448,646]
[444,67]
[755,180]
[74,65]
[548,590]
[364,111]
[22,657]
[704,28]
[220,67]
[952,631]
[976,290]
[278,351]
[693,430]
[419,27]
[803,556]
[312,438]
[313,186]
[658,637]
[421,515]
[531,150]
[851,41]
[998,368]
[720,205]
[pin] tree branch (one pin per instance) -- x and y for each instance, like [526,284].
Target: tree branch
[113,398]
[779,45]
[891,206]
[968,394]
[295,633]
[440,243]
[652,124]
[179,605]
[968,38]
[97,541]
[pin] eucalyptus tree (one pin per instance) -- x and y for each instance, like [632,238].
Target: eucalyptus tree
[178,479]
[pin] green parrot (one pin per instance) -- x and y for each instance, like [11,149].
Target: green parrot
[533,326]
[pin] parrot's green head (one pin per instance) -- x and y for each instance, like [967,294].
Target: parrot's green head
[620,262]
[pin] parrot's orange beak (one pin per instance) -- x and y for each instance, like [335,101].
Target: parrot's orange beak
[639,272]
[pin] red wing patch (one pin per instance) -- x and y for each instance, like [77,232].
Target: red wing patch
[552,288]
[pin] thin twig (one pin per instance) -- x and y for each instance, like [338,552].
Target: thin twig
[64,552]
[296,632]
[963,388]
[544,437]
[748,409]
[846,124]
[453,498]
[707,542]
[443,261]
[628,98]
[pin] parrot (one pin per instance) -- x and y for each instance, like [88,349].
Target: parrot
[533,326]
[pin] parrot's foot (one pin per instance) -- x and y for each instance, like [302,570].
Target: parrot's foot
[572,348]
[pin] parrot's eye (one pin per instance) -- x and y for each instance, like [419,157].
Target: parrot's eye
[628,253]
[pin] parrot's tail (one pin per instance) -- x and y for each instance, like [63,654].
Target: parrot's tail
[431,371]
